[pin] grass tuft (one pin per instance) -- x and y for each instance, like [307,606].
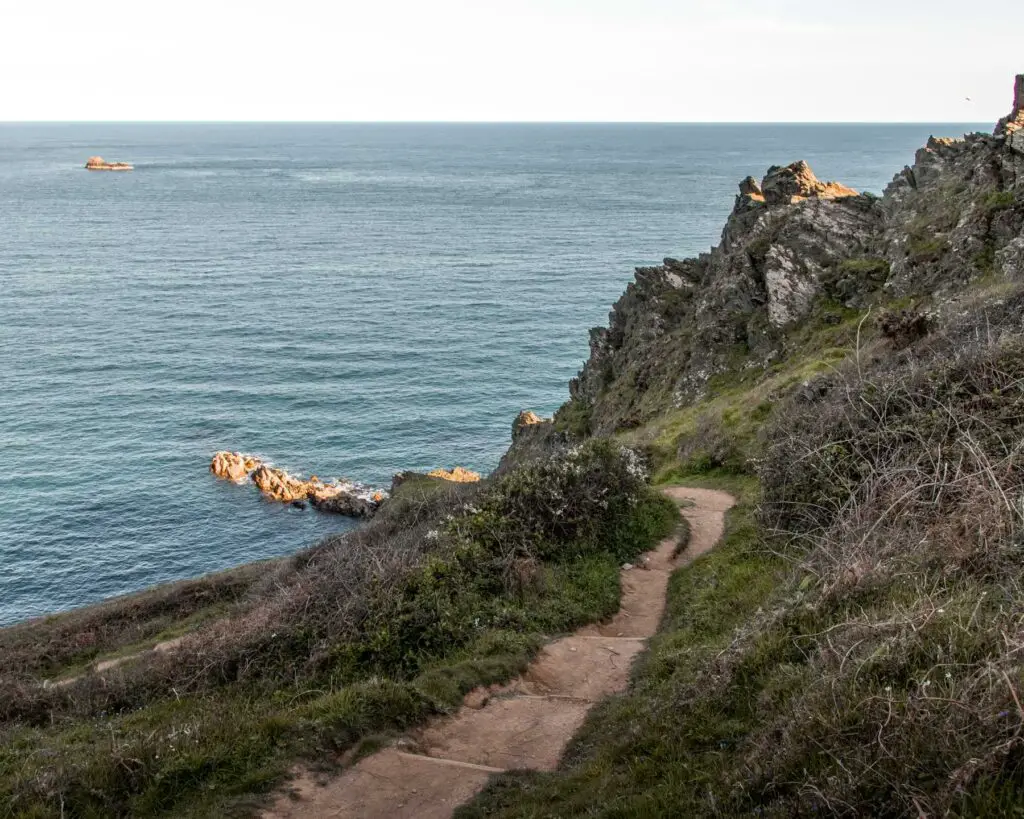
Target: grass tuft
[449,588]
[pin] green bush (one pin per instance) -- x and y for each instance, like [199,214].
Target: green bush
[517,544]
[570,505]
[925,249]
[999,200]
[872,268]
[574,417]
[451,588]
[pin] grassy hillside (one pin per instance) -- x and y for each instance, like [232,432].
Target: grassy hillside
[451,587]
[854,370]
[854,645]
[850,367]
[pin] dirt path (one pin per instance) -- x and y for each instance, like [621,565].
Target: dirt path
[525,724]
[105,665]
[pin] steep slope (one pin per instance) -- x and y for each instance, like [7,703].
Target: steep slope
[850,367]
[853,369]
[526,723]
[792,243]
[312,658]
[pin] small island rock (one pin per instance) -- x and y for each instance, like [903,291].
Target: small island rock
[98,163]
[341,497]
[233,466]
[278,485]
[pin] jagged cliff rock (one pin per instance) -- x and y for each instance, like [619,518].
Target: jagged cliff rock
[956,213]
[793,244]
[457,474]
[1014,123]
[526,419]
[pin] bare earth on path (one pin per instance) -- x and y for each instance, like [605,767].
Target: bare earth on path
[106,665]
[525,724]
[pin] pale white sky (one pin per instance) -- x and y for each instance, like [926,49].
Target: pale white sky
[478,60]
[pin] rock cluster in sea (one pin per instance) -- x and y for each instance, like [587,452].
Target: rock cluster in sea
[339,497]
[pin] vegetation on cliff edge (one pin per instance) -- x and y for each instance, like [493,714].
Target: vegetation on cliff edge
[853,647]
[449,588]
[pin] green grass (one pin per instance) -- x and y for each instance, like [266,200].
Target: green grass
[200,756]
[65,644]
[927,248]
[872,268]
[470,615]
[653,751]
[573,417]
[999,200]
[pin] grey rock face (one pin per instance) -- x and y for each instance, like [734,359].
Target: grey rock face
[1010,260]
[1015,121]
[791,240]
[680,323]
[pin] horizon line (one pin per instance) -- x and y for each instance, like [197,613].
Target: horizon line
[474,122]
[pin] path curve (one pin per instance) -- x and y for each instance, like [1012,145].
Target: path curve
[525,724]
[99,666]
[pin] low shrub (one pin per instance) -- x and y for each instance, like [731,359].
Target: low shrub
[574,418]
[853,648]
[904,327]
[712,446]
[449,588]
[999,200]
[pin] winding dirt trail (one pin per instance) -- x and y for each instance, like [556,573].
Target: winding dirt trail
[525,724]
[100,666]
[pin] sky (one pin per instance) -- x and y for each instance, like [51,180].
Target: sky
[517,60]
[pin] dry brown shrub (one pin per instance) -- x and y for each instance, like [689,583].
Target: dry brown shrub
[900,502]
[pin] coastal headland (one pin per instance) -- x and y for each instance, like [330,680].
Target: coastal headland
[848,367]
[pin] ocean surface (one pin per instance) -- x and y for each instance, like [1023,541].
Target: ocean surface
[349,300]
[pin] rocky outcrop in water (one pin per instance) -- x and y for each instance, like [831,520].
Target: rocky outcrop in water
[98,163]
[278,485]
[791,245]
[352,504]
[233,466]
[339,497]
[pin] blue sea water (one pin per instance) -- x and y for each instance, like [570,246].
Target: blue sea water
[349,300]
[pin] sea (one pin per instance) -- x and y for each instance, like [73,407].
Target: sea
[349,300]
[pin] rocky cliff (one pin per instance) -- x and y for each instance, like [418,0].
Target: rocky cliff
[852,368]
[792,245]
